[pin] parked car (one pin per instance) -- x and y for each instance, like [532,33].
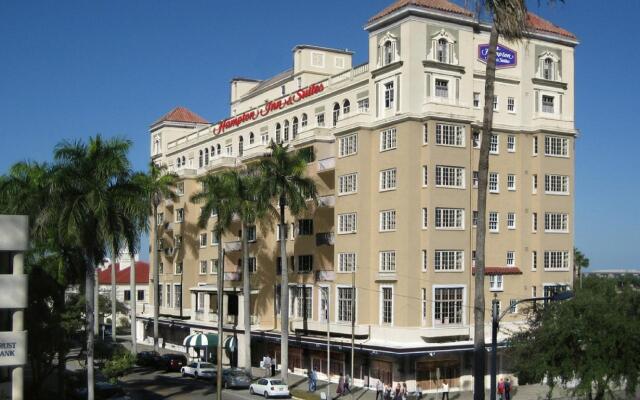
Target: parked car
[269,388]
[103,391]
[147,358]
[199,369]
[235,378]
[171,362]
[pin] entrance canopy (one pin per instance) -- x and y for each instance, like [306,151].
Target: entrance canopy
[200,340]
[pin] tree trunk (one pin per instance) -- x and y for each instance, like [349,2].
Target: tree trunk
[284,298]
[156,280]
[113,295]
[89,283]
[96,302]
[133,303]
[220,292]
[479,366]
[246,288]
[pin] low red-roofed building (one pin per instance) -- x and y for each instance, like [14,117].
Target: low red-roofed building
[123,289]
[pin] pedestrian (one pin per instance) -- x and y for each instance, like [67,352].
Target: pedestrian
[267,365]
[340,387]
[445,390]
[379,390]
[387,392]
[501,389]
[310,377]
[397,394]
[314,376]
[404,391]
[347,383]
[507,390]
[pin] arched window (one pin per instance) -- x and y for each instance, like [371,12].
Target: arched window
[547,68]
[251,138]
[156,145]
[294,127]
[178,163]
[200,164]
[240,146]
[388,52]
[206,156]
[304,120]
[213,152]
[218,149]
[278,131]
[442,51]
[346,106]
[286,130]
[184,161]
[336,113]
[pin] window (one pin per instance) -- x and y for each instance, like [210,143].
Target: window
[494,182]
[556,184]
[447,305]
[547,69]
[214,266]
[200,160]
[425,176]
[442,51]
[388,95]
[425,259]
[127,295]
[140,295]
[203,240]
[203,267]
[299,80]
[423,302]
[556,146]
[159,218]
[283,90]
[229,150]
[286,130]
[449,218]
[451,177]
[300,302]
[511,104]
[160,268]
[475,179]
[547,104]
[425,134]
[388,139]
[177,268]
[534,222]
[346,262]
[214,239]
[511,258]
[347,223]
[348,183]
[556,222]
[476,139]
[177,241]
[252,138]
[387,261]
[320,119]
[495,144]
[294,127]
[449,135]
[345,304]
[264,138]
[496,283]
[387,305]
[534,183]
[305,227]
[511,182]
[425,218]
[535,146]
[511,144]
[304,120]
[169,300]
[442,88]
[534,260]
[448,260]
[556,260]
[346,107]
[180,188]
[552,290]
[388,179]
[511,220]
[494,221]
[388,52]
[251,233]
[475,218]
[495,103]
[476,100]
[336,113]
[348,145]
[513,306]
[387,220]
[317,60]
[287,232]
[305,263]
[253,265]
[363,105]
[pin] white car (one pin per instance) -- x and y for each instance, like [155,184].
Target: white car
[269,388]
[199,369]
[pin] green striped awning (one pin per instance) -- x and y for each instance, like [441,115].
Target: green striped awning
[198,340]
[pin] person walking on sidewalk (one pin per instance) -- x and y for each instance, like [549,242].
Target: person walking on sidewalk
[445,390]
[404,392]
[340,388]
[397,394]
[387,392]
[314,377]
[347,383]
[501,389]
[379,390]
[507,390]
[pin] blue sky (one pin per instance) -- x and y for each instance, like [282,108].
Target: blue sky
[71,69]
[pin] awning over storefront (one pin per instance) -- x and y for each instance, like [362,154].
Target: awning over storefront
[200,340]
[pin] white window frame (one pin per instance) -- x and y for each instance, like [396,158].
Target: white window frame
[388,220]
[511,105]
[534,184]
[321,59]
[347,220]
[550,146]
[439,91]
[511,220]
[554,219]
[388,179]
[389,95]
[347,262]
[388,139]
[511,258]
[496,189]
[424,260]
[455,256]
[348,145]
[476,100]
[450,135]
[204,263]
[336,314]
[381,305]
[363,105]
[496,283]
[511,182]
[348,184]
[534,260]
[425,217]
[180,189]
[443,218]
[549,184]
[563,256]
[491,221]
[463,306]
[494,144]
[425,176]
[387,261]
[446,173]
[511,143]
[203,243]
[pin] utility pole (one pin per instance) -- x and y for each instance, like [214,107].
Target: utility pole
[353,321]
[494,344]
[325,292]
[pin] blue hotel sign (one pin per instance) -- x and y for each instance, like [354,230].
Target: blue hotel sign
[505,57]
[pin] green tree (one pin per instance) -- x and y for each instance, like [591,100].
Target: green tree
[592,338]
[216,198]
[580,261]
[158,185]
[283,178]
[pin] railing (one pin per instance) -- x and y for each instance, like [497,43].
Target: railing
[327,201]
[233,246]
[325,276]
[350,74]
[325,239]
[327,164]
[232,276]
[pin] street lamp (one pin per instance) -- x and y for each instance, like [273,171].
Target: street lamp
[560,296]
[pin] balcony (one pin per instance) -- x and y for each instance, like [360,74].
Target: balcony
[232,276]
[255,150]
[233,246]
[327,201]
[354,118]
[325,239]
[313,134]
[168,202]
[325,276]
[182,172]
[221,162]
[326,165]
[335,328]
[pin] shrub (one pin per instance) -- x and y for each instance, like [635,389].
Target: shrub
[121,362]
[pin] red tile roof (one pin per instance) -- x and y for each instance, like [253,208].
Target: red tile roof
[500,271]
[543,26]
[122,275]
[438,5]
[182,114]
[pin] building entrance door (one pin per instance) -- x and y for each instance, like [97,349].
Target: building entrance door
[427,373]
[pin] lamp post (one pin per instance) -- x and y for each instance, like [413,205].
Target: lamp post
[495,325]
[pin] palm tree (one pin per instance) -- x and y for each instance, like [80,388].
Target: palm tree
[89,182]
[247,205]
[283,178]
[157,184]
[216,197]
[580,261]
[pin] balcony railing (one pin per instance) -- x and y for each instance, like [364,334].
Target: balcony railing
[325,239]
[233,246]
[327,201]
[232,276]
[327,164]
[325,276]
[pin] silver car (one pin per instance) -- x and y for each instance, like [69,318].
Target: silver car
[199,369]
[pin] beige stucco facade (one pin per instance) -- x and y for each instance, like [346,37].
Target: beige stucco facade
[417,91]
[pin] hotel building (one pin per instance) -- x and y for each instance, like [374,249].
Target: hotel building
[396,145]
